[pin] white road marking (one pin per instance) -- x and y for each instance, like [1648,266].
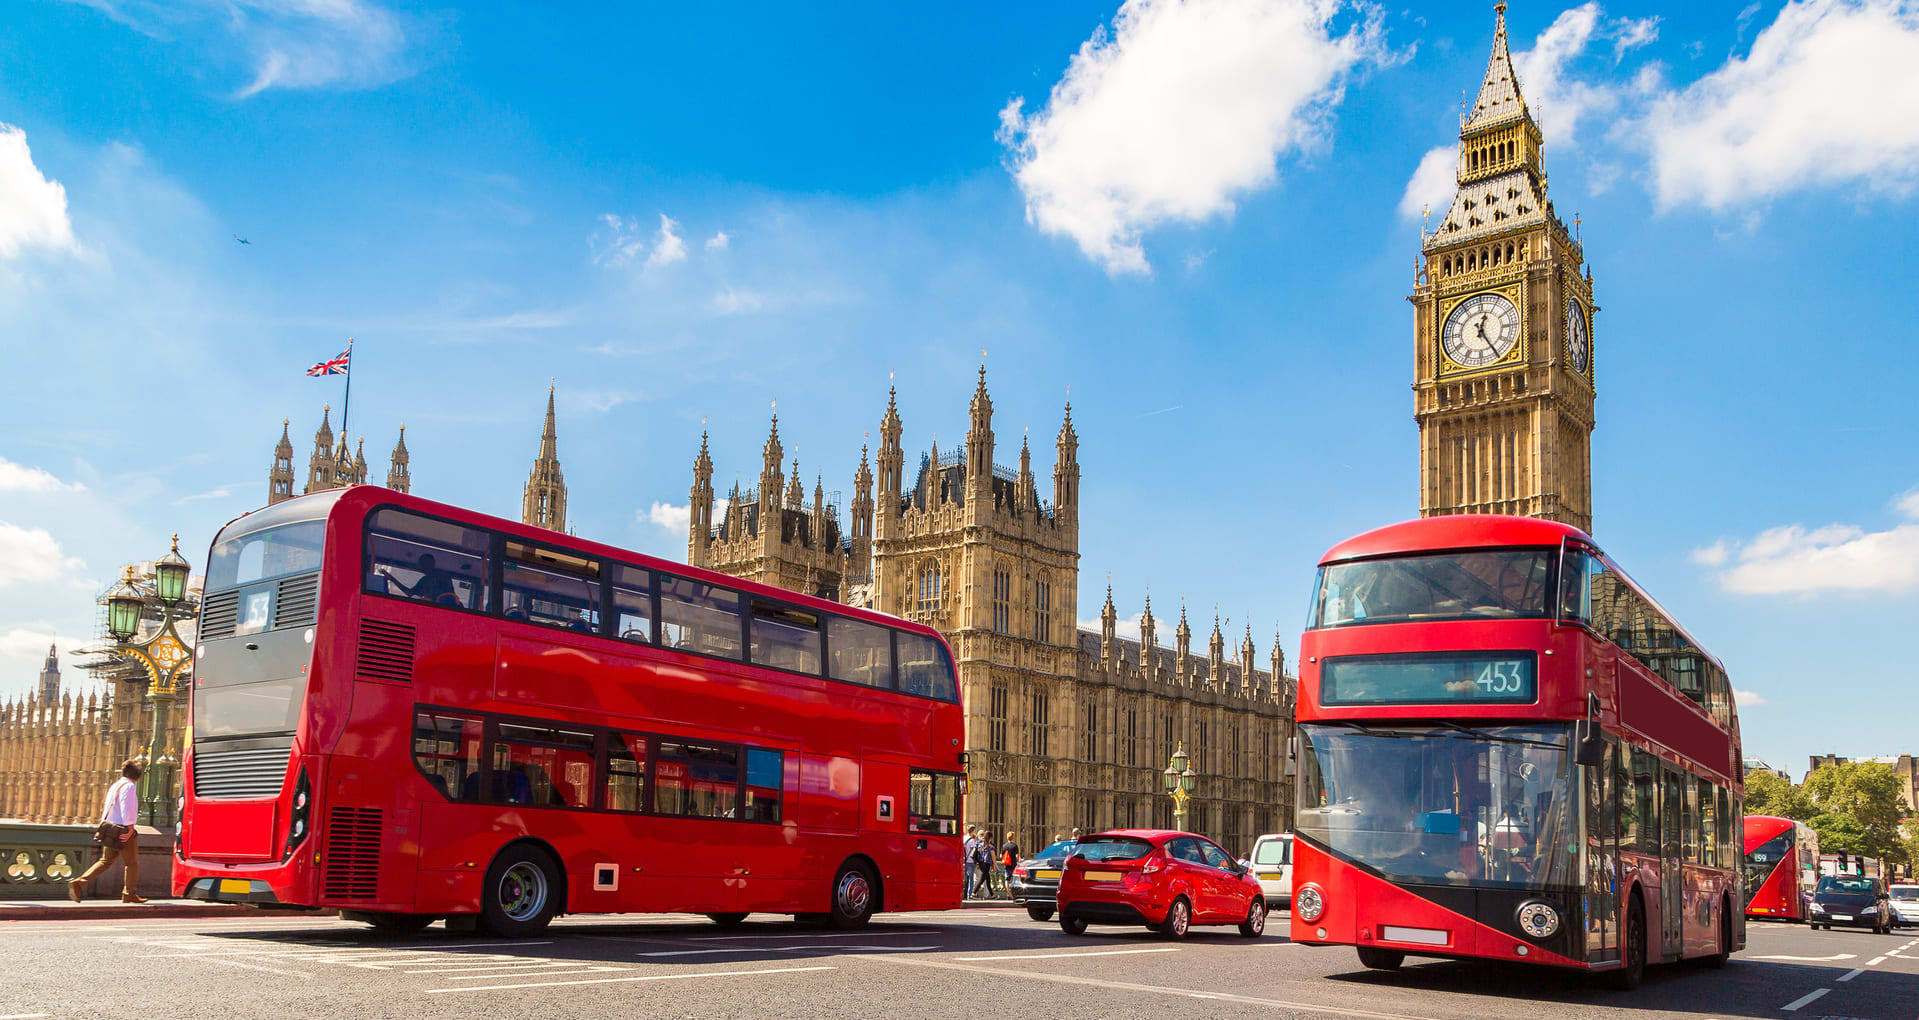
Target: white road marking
[617,980]
[1062,956]
[1875,961]
[255,966]
[548,973]
[1810,959]
[1128,986]
[1794,1005]
[809,935]
[24,1016]
[792,949]
[1853,973]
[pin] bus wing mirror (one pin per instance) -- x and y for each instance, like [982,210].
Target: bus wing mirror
[1292,755]
[1589,748]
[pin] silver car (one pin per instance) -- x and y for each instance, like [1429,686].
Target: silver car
[1905,904]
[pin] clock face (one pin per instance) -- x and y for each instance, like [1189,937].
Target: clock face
[1480,330]
[1578,340]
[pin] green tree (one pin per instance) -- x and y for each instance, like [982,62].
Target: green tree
[1768,794]
[1860,802]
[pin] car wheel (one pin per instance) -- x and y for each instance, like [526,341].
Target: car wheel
[727,920]
[1381,959]
[1255,924]
[1632,969]
[1039,913]
[853,896]
[1179,918]
[521,893]
[1072,925]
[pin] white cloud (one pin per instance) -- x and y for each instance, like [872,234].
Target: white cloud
[1631,33]
[718,241]
[616,242]
[1178,110]
[668,246]
[732,301]
[1747,699]
[1797,560]
[1828,95]
[286,43]
[31,556]
[33,209]
[23,650]
[20,478]
[669,516]
[200,497]
[1431,187]
[1713,555]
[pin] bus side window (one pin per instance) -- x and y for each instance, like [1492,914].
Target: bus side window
[932,802]
[630,603]
[1575,592]
[701,618]
[426,560]
[765,778]
[1645,784]
[924,667]
[447,750]
[785,638]
[550,588]
[859,652]
[626,772]
[699,780]
[542,767]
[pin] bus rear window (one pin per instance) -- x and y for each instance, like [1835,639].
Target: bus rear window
[1496,584]
[287,549]
[924,668]
[933,802]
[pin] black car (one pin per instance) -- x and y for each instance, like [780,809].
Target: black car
[1035,880]
[1852,900]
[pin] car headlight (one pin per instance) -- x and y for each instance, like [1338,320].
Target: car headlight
[1308,903]
[1538,920]
[1819,908]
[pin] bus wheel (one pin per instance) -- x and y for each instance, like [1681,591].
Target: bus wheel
[1632,969]
[1718,959]
[397,924]
[853,892]
[1376,958]
[520,893]
[727,920]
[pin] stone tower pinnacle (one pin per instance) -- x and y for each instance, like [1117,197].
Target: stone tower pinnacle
[543,501]
[398,476]
[50,678]
[699,537]
[280,478]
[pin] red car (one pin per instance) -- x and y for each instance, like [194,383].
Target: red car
[1167,881]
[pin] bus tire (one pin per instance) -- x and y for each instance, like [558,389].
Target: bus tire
[1718,959]
[1632,963]
[521,893]
[1376,958]
[396,924]
[727,920]
[855,896]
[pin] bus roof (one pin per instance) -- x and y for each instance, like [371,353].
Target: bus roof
[1457,531]
[366,497]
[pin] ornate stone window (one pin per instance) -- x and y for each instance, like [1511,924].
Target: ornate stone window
[1042,609]
[1002,602]
[1036,725]
[996,717]
[929,600]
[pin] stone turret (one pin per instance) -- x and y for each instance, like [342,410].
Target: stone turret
[543,501]
[280,477]
[399,475]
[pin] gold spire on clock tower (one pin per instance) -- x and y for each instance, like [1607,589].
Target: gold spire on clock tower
[1502,314]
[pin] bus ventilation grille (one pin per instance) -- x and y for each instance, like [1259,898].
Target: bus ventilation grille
[218,614]
[255,772]
[353,853]
[296,602]
[386,652]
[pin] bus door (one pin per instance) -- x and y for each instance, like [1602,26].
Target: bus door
[1672,864]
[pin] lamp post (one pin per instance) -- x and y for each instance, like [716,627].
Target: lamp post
[1180,782]
[164,656]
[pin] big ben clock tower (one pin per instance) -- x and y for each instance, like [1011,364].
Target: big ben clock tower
[1503,323]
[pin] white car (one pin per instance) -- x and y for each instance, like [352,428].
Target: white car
[1272,862]
[1905,904]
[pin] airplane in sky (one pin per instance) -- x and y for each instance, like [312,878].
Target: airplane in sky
[240,239]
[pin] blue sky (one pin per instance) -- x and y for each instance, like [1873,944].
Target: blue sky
[1201,217]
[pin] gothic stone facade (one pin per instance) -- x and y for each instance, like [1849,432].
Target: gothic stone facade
[1503,327]
[1065,728]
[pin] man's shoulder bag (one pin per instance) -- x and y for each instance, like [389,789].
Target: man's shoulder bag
[109,834]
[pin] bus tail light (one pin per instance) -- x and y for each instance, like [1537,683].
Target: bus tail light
[302,805]
[1309,903]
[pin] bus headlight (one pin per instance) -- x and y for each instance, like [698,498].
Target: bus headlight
[1308,902]
[1538,920]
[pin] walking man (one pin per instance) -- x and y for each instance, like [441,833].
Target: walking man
[971,873]
[117,837]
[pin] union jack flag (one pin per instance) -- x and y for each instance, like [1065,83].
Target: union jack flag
[336,365]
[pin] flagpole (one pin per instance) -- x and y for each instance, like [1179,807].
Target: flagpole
[346,406]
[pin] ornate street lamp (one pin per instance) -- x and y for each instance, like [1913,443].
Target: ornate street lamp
[1181,780]
[165,657]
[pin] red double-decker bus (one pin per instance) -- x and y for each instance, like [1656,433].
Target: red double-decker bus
[1781,867]
[1508,751]
[408,711]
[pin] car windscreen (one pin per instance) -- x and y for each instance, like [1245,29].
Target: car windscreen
[1905,892]
[1842,884]
[1113,848]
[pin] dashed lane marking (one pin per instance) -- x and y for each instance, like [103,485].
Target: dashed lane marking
[641,977]
[792,949]
[24,1016]
[1128,986]
[1875,961]
[1810,959]
[1853,973]
[789,936]
[255,966]
[1793,1006]
[1062,956]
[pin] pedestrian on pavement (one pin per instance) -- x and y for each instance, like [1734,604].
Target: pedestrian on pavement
[117,837]
[971,869]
